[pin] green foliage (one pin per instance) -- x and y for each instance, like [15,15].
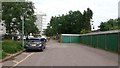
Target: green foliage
[9,36]
[11,47]
[15,10]
[83,31]
[111,24]
[71,23]
[2,55]
[118,23]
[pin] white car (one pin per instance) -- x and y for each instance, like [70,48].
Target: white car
[44,37]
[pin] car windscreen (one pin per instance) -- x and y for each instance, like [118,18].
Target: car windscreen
[33,40]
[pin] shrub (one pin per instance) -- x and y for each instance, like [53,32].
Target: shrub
[2,55]
[10,46]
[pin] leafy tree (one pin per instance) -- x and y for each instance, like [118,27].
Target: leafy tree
[87,16]
[15,10]
[111,24]
[74,22]
[118,21]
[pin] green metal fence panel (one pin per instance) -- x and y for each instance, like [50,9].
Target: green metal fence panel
[94,40]
[112,42]
[101,41]
[66,39]
[106,41]
[89,40]
[75,39]
[80,40]
[84,39]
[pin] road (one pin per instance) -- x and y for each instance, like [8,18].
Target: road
[65,54]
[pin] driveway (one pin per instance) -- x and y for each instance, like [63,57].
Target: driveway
[65,54]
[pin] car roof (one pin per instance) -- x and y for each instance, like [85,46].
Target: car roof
[35,38]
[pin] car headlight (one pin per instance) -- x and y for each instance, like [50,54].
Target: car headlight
[39,44]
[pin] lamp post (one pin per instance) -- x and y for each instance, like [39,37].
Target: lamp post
[57,34]
[22,18]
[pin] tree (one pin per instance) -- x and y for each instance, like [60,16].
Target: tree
[87,16]
[111,24]
[118,22]
[15,10]
[72,23]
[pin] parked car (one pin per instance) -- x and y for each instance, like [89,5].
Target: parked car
[35,44]
[44,37]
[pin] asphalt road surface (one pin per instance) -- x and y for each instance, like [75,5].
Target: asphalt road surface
[65,54]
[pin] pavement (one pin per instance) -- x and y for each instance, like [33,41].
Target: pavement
[65,54]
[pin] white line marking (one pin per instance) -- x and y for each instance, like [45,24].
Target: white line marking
[22,60]
[15,61]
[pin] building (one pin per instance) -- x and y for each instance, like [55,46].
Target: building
[119,9]
[39,21]
[2,28]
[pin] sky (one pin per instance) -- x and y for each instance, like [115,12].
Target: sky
[103,10]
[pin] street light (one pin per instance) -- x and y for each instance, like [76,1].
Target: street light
[58,27]
[57,36]
[22,18]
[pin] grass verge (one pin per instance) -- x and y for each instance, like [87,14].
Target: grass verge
[10,47]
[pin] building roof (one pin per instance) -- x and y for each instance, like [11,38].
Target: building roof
[94,33]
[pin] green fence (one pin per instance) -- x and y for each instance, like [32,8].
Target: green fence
[107,40]
[66,38]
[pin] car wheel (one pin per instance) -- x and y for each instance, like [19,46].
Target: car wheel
[41,50]
[26,50]
[44,47]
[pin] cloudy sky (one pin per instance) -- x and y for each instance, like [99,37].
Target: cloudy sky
[102,9]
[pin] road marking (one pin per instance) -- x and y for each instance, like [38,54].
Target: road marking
[22,60]
[15,61]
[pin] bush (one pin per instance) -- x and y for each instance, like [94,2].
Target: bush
[7,36]
[10,46]
[2,55]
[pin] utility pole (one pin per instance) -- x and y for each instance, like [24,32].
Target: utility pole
[22,18]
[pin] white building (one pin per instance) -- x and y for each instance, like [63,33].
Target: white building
[39,22]
[2,28]
[119,9]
